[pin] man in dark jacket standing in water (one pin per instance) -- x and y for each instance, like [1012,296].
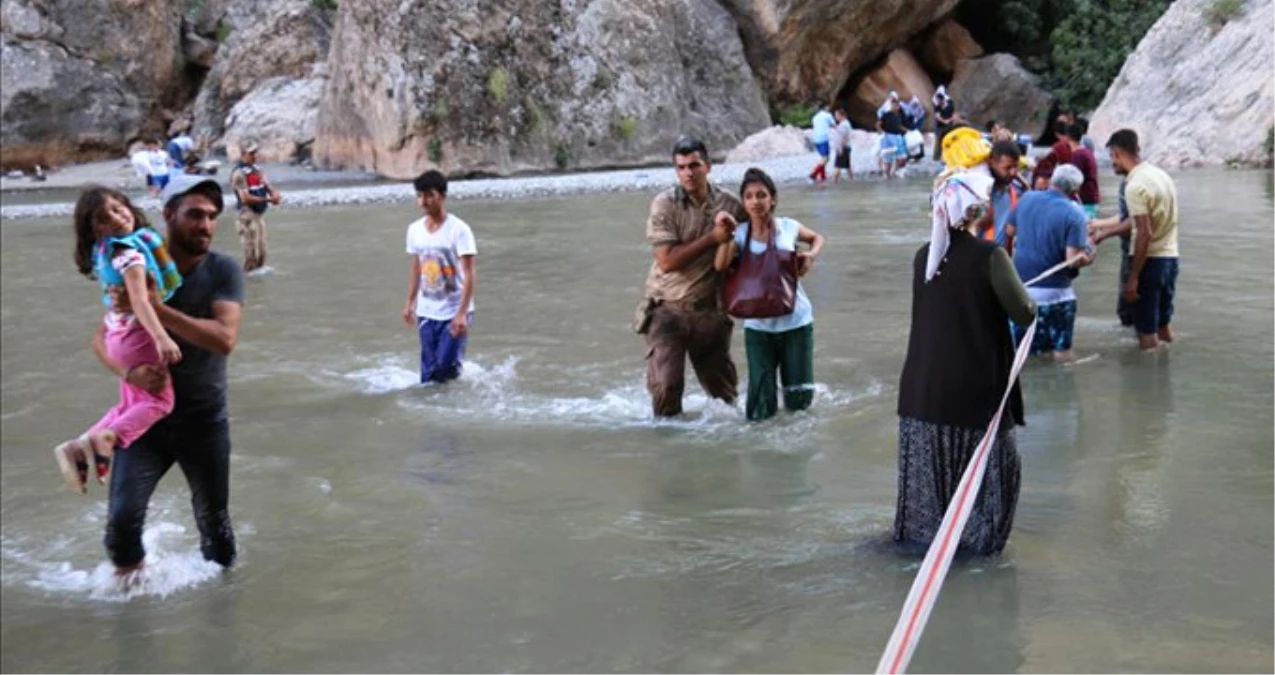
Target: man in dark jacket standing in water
[680,312]
[203,316]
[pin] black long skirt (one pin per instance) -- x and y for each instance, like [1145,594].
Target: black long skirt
[932,458]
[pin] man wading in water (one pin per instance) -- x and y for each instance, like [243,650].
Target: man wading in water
[680,313]
[203,317]
[254,194]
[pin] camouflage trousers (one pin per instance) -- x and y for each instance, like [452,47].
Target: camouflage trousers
[252,234]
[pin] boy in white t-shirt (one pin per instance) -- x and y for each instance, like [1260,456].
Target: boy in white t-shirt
[440,294]
[159,165]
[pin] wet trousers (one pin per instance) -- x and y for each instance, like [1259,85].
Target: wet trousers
[676,333]
[251,227]
[791,353]
[202,450]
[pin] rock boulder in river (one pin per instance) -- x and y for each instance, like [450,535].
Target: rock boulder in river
[1197,94]
[531,85]
[809,50]
[999,87]
[81,78]
[900,73]
[777,141]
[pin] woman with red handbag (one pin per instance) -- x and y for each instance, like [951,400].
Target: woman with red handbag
[761,287]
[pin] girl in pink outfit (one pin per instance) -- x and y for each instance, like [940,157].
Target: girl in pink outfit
[115,245]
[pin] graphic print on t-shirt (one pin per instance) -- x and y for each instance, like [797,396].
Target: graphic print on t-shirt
[438,273]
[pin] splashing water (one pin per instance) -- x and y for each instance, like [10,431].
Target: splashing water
[493,393]
[171,566]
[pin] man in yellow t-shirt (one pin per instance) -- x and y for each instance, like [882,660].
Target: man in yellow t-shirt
[1152,200]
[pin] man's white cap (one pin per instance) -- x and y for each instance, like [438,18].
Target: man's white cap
[182,183]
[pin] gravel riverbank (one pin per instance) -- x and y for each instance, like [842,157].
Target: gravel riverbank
[298,195]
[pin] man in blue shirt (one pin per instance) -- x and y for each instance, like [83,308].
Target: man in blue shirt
[1046,229]
[1006,190]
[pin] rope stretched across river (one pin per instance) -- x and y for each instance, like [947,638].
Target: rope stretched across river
[929,578]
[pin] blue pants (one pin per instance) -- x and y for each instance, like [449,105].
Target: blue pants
[1156,288]
[202,451]
[1055,326]
[441,353]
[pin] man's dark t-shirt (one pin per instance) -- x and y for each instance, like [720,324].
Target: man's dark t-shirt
[199,380]
[892,123]
[946,111]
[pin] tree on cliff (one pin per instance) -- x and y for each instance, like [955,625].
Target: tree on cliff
[1091,43]
[1076,46]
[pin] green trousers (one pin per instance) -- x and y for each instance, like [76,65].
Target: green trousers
[792,353]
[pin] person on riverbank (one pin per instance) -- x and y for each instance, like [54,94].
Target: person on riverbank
[179,149]
[203,317]
[116,246]
[440,288]
[1152,201]
[1083,158]
[841,134]
[1048,228]
[253,195]
[680,314]
[959,358]
[893,149]
[159,167]
[1007,189]
[944,118]
[913,114]
[140,160]
[785,343]
[820,128]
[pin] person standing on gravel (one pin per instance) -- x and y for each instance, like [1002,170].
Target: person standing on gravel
[820,130]
[253,195]
[681,313]
[842,134]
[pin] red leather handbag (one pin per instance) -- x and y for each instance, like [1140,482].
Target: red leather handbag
[761,286]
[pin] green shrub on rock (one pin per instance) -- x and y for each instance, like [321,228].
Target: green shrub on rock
[1090,46]
[1219,12]
[797,114]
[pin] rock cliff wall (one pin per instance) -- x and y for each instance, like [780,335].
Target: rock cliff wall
[272,51]
[80,78]
[1197,90]
[478,87]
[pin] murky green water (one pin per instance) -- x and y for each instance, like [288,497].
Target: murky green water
[531,517]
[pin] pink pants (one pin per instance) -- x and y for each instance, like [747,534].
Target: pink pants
[138,409]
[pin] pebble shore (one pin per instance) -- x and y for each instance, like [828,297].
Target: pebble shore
[787,170]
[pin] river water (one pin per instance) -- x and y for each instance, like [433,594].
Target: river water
[532,517]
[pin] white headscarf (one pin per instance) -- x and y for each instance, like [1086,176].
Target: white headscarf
[941,91]
[958,201]
[885,107]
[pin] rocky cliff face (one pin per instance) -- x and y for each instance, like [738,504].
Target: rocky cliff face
[472,86]
[81,78]
[808,50]
[1198,93]
[531,85]
[270,60]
